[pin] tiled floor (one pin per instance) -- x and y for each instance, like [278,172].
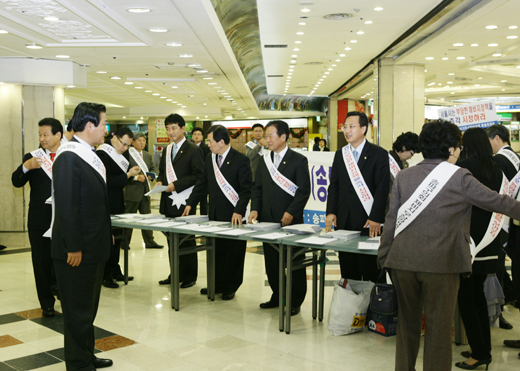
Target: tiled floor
[138,330]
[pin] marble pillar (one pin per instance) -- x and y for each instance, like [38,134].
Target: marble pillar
[333,123]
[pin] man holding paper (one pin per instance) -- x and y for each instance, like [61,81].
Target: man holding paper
[281,190]
[37,170]
[180,168]
[227,176]
[135,198]
[357,194]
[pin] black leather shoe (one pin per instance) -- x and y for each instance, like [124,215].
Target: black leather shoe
[512,343]
[204,291]
[102,362]
[466,366]
[268,305]
[186,285]
[165,282]
[295,311]
[156,246]
[122,278]
[111,284]
[504,324]
[48,312]
[466,354]
[228,296]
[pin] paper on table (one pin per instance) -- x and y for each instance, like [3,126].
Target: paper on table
[217,223]
[235,232]
[317,240]
[157,189]
[367,246]
[191,227]
[129,216]
[167,224]
[148,221]
[214,229]
[274,236]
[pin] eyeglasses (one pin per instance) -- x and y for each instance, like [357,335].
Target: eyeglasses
[350,127]
[125,145]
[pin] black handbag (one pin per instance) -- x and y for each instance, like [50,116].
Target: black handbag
[383,298]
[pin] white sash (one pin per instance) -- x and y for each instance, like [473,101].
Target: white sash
[225,187]
[494,227]
[46,161]
[510,156]
[178,199]
[423,195]
[280,180]
[356,178]
[394,167]
[140,162]
[251,144]
[120,160]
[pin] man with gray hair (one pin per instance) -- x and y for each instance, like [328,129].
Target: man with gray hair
[135,198]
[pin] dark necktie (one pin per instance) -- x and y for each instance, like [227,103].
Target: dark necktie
[219,161]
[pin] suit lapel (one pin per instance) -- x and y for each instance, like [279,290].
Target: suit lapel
[180,152]
[227,160]
[285,160]
[365,155]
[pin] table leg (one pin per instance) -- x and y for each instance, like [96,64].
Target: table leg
[174,269]
[125,255]
[288,291]
[281,288]
[322,284]
[210,266]
[314,284]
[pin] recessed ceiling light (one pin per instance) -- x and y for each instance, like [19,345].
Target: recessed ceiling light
[162,97]
[327,73]
[293,61]
[147,91]
[212,83]
[138,10]
[202,71]
[207,78]
[445,58]
[183,106]
[3,31]
[71,86]
[297,42]
[185,55]
[289,77]
[449,82]
[169,100]
[173,44]
[353,41]
[334,65]
[513,27]
[360,33]
[348,48]
[517,66]
[299,33]
[324,77]
[158,29]
[491,27]
[294,56]
[175,87]
[368,22]
[474,44]
[63,56]
[156,94]
[139,87]
[295,49]
[493,44]
[291,70]
[378,9]
[503,89]
[503,80]
[451,74]
[101,71]
[32,46]
[477,85]
[124,117]
[429,58]
[305,10]
[512,37]
[452,93]
[194,65]
[302,23]
[129,83]
[330,69]
[461,58]
[480,78]
[321,79]
[497,55]
[51,19]
[115,78]
[458,44]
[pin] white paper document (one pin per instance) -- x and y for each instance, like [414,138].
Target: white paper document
[191,227]
[148,221]
[215,229]
[179,199]
[235,232]
[167,224]
[129,216]
[217,223]
[274,236]
[367,246]
[320,241]
[157,189]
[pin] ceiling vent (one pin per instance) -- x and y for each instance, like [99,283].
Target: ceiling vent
[338,16]
[274,75]
[275,46]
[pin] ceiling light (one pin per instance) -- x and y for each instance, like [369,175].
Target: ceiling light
[493,44]
[451,74]
[156,94]
[360,33]
[330,69]
[138,10]
[378,9]
[299,33]
[179,104]
[503,89]
[291,70]
[327,73]
[124,117]
[460,58]
[174,101]
[337,60]
[290,73]
[353,41]
[101,71]
[162,97]
[334,65]
[289,77]
[302,23]
[294,56]
[503,80]
[202,71]
[147,91]
[368,22]
[139,87]
[185,55]
[324,77]
[183,106]
[206,116]
[449,82]
[445,58]
[129,83]
[452,93]
[474,44]
[63,56]
[491,27]
[207,78]
[497,55]
[173,44]
[169,100]
[321,79]
[295,49]
[52,19]
[458,44]
[32,46]
[476,85]
[513,27]
[158,29]
[305,10]
[429,58]
[297,42]
[512,37]
[480,78]
[115,78]
[348,48]
[3,31]
[517,66]
[71,86]
[139,121]
[212,83]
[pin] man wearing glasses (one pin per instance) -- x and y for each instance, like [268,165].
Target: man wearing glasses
[117,174]
[357,194]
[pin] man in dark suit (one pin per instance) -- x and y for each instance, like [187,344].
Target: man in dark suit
[180,168]
[345,210]
[197,135]
[135,198]
[118,173]
[226,168]
[272,202]
[81,234]
[256,148]
[37,170]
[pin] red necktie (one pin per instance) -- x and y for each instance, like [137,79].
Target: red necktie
[52,156]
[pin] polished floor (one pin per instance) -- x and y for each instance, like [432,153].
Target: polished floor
[138,330]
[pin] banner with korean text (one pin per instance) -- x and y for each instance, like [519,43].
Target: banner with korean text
[481,115]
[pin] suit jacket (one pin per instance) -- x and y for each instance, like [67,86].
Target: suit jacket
[82,218]
[205,149]
[271,201]
[40,213]
[188,165]
[437,241]
[254,157]
[135,189]
[237,171]
[117,180]
[506,165]
[342,199]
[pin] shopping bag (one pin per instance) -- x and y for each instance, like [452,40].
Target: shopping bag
[348,309]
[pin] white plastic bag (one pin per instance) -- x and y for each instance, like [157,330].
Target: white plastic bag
[348,310]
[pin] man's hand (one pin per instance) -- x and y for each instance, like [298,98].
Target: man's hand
[236,219]
[375,228]
[287,219]
[171,188]
[262,142]
[74,258]
[141,178]
[33,163]
[252,217]
[330,221]
[133,171]
[186,211]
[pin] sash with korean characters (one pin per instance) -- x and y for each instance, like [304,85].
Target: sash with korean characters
[423,195]
[120,160]
[225,187]
[356,178]
[495,225]
[252,145]
[140,162]
[177,198]
[511,156]
[46,163]
[514,184]
[394,167]
[286,184]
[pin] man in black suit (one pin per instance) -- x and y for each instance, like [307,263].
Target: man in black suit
[281,202]
[197,135]
[345,208]
[81,234]
[117,172]
[37,170]
[180,168]
[227,169]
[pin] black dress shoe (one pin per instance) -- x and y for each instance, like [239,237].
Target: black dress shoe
[165,282]
[269,304]
[295,311]
[111,284]
[122,278]
[186,285]
[504,324]
[48,312]
[512,343]
[228,296]
[102,362]
[466,366]
[156,246]
[204,291]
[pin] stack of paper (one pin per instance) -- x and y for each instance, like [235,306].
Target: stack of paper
[316,241]
[370,244]
[193,218]
[302,228]
[129,216]
[273,236]
[152,216]
[263,227]
[343,234]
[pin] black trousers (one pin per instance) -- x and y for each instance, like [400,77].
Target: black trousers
[229,264]
[474,313]
[143,207]
[358,266]
[43,267]
[299,283]
[513,251]
[112,267]
[204,204]
[188,264]
[79,289]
